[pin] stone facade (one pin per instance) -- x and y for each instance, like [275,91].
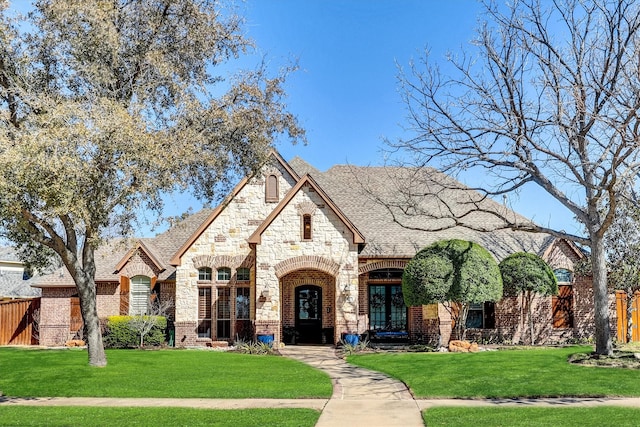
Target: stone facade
[291,237]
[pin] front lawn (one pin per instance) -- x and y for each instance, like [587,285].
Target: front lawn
[506,373]
[158,373]
[532,417]
[109,416]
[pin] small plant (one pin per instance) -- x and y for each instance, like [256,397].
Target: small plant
[254,347]
[421,348]
[349,348]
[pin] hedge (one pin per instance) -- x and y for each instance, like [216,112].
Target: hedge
[120,333]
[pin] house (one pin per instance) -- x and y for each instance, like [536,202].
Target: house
[15,279]
[305,256]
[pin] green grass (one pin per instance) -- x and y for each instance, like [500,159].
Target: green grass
[161,373]
[509,373]
[532,417]
[87,416]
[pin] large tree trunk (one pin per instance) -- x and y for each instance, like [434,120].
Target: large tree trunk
[530,310]
[95,347]
[83,274]
[604,344]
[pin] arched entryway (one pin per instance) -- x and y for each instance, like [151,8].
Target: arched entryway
[308,307]
[308,314]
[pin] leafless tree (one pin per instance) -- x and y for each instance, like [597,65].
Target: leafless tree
[143,323]
[548,95]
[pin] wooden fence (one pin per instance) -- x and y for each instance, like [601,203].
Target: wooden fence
[17,321]
[621,311]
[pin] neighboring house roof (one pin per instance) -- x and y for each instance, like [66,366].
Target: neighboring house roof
[256,237]
[13,285]
[12,281]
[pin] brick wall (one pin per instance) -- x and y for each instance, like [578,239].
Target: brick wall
[55,313]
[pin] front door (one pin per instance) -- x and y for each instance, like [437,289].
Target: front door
[309,314]
[75,319]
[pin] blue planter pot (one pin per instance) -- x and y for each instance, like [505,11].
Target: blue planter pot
[266,339]
[351,339]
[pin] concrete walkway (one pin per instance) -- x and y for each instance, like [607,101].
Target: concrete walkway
[360,397]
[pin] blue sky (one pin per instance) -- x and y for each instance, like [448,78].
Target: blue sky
[345,93]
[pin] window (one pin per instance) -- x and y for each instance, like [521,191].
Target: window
[204,312]
[223,312]
[271,189]
[242,303]
[306,227]
[387,310]
[482,315]
[386,274]
[224,274]
[243,322]
[204,274]
[243,274]
[563,275]
[140,292]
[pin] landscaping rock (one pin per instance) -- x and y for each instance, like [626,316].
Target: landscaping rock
[458,346]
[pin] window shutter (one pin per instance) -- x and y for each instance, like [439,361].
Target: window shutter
[271,190]
[124,295]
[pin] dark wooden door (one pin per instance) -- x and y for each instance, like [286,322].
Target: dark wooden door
[309,314]
[75,321]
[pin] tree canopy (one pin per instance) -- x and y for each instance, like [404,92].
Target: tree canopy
[527,272]
[105,106]
[547,96]
[457,271]
[528,275]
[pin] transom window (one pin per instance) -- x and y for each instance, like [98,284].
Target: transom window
[204,274]
[243,274]
[224,274]
[140,292]
[563,275]
[386,274]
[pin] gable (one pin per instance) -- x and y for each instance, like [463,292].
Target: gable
[306,183]
[245,207]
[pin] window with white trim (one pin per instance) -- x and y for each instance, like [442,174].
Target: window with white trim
[140,291]
[223,274]
[204,274]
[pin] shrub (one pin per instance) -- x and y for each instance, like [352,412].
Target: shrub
[254,347]
[120,332]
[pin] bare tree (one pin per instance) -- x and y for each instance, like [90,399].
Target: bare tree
[622,243]
[144,323]
[549,95]
[106,106]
